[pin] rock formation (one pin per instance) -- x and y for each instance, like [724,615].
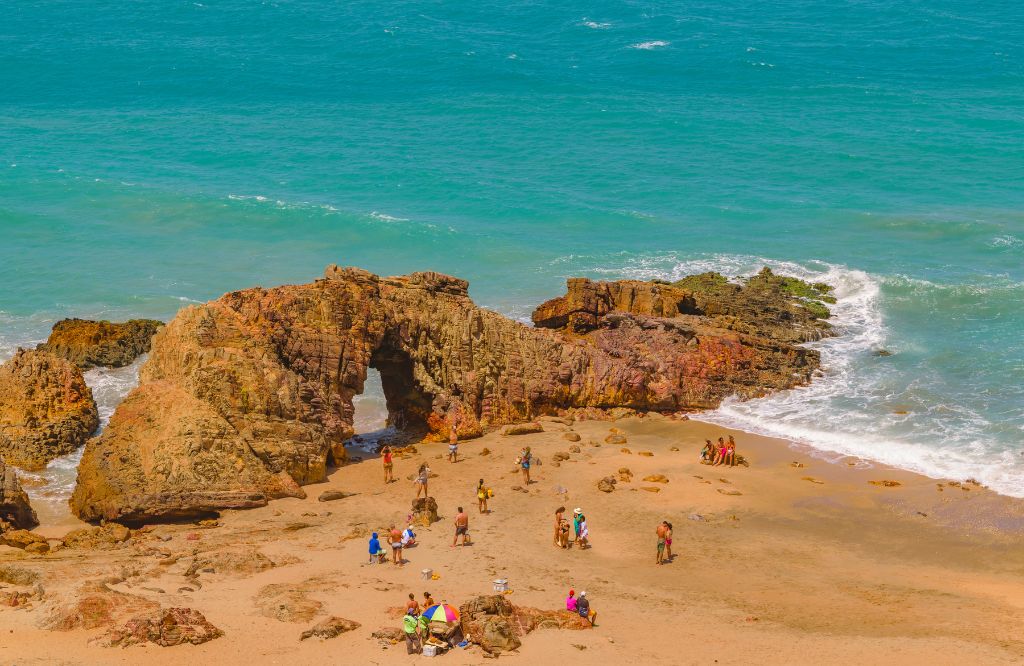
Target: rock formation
[165,627]
[46,409]
[248,397]
[496,625]
[15,510]
[100,343]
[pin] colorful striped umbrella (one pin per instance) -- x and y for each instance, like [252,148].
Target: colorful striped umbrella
[441,613]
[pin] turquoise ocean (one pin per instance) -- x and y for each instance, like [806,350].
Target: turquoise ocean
[157,154]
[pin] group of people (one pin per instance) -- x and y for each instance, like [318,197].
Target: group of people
[397,539]
[581,606]
[419,628]
[724,453]
[579,529]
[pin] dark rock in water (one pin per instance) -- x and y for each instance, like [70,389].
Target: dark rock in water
[882,352]
[46,409]
[101,343]
[247,398]
[15,509]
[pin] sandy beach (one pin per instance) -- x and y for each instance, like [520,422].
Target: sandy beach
[793,559]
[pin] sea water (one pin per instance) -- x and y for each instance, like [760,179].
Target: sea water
[155,155]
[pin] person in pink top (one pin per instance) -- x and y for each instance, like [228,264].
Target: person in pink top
[570,602]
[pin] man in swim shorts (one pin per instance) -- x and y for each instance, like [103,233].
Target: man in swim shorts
[461,527]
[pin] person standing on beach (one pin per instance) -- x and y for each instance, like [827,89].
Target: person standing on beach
[481,497]
[412,607]
[428,601]
[461,527]
[525,460]
[422,476]
[396,545]
[577,515]
[662,529]
[410,625]
[453,440]
[389,465]
[559,513]
[668,542]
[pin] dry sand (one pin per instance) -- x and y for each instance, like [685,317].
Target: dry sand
[829,570]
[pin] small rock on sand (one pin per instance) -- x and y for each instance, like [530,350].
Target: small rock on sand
[651,489]
[615,440]
[332,495]
[572,436]
[329,628]
[729,491]
[656,478]
[886,483]
[522,429]
[648,454]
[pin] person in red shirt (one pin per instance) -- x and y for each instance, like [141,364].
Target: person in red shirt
[389,464]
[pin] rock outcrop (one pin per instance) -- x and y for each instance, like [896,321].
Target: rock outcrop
[46,409]
[165,627]
[248,397]
[101,343]
[496,625]
[15,509]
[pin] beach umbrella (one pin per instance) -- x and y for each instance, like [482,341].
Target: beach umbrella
[441,613]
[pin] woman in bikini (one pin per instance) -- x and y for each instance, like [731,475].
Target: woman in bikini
[730,452]
[559,512]
[720,453]
[525,458]
[481,497]
[421,480]
[389,465]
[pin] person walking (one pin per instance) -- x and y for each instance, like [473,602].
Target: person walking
[481,497]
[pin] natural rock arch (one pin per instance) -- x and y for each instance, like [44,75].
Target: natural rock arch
[249,397]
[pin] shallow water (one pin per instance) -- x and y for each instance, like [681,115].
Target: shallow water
[156,155]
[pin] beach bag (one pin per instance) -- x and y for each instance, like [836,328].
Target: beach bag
[490,493]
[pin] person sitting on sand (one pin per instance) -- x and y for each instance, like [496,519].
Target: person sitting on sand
[396,545]
[558,524]
[730,452]
[707,454]
[583,608]
[410,625]
[422,476]
[408,536]
[481,497]
[461,527]
[376,552]
[389,466]
[720,452]
[662,529]
[525,460]
[570,602]
[428,601]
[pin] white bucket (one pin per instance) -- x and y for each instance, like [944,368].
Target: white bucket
[426,574]
[501,585]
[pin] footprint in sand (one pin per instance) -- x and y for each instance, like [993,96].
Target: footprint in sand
[811,479]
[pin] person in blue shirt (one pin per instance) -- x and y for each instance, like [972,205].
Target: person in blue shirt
[375,550]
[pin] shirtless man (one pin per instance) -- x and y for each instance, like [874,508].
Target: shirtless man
[389,465]
[661,531]
[453,440]
[396,544]
[412,607]
[461,527]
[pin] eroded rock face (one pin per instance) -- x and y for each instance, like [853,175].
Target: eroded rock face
[101,343]
[15,509]
[248,397]
[496,625]
[165,627]
[46,409]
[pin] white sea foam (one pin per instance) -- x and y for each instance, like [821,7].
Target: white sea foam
[384,217]
[1006,240]
[649,46]
[594,25]
[848,410]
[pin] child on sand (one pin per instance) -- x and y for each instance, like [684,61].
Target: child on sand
[389,465]
[422,476]
[461,527]
[481,497]
[525,459]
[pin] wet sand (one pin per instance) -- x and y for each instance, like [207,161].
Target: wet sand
[809,564]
